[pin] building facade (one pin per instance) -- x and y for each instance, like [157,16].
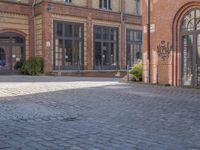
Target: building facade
[174,42]
[71,34]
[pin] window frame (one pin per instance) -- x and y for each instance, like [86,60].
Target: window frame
[137,7]
[73,38]
[105,4]
[134,42]
[109,41]
[68,1]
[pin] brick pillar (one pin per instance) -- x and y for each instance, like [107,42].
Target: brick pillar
[89,44]
[47,39]
[123,38]
[32,31]
[31,35]
[89,49]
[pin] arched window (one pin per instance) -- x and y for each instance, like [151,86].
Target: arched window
[190,48]
[191,21]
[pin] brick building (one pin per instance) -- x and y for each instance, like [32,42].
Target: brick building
[174,42]
[71,34]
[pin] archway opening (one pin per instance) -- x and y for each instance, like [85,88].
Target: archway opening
[12,51]
[190,48]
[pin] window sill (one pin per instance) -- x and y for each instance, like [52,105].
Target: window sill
[105,9]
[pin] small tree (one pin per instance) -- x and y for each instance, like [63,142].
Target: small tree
[136,71]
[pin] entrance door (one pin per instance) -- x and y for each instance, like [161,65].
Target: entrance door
[106,54]
[191,60]
[68,49]
[187,53]
[11,52]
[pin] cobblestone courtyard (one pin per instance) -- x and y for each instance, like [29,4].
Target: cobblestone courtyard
[96,114]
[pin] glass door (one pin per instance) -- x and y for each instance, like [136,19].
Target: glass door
[187,65]
[190,37]
[17,57]
[106,54]
[68,53]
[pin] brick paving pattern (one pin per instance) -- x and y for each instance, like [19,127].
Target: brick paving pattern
[67,113]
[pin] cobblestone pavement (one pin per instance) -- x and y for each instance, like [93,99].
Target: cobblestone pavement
[96,114]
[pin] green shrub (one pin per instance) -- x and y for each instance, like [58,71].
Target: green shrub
[33,66]
[136,71]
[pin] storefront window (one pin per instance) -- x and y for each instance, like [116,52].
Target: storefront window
[105,48]
[68,46]
[134,45]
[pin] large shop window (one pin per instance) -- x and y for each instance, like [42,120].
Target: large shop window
[134,45]
[190,48]
[105,48]
[68,46]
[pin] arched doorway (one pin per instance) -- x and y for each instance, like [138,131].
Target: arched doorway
[12,52]
[190,48]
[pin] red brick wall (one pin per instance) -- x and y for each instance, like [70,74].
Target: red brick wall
[166,15]
[19,9]
[87,13]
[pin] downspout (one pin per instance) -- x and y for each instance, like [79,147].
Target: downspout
[149,39]
[122,13]
[34,33]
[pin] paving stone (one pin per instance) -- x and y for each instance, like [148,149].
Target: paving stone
[96,114]
[4,145]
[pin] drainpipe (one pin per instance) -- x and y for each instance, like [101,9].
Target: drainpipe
[122,14]
[149,39]
[34,33]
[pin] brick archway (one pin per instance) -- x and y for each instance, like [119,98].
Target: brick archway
[176,28]
[13,31]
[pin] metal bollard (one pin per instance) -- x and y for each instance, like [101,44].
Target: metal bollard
[127,73]
[59,72]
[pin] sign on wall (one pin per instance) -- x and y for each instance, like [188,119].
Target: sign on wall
[152,28]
